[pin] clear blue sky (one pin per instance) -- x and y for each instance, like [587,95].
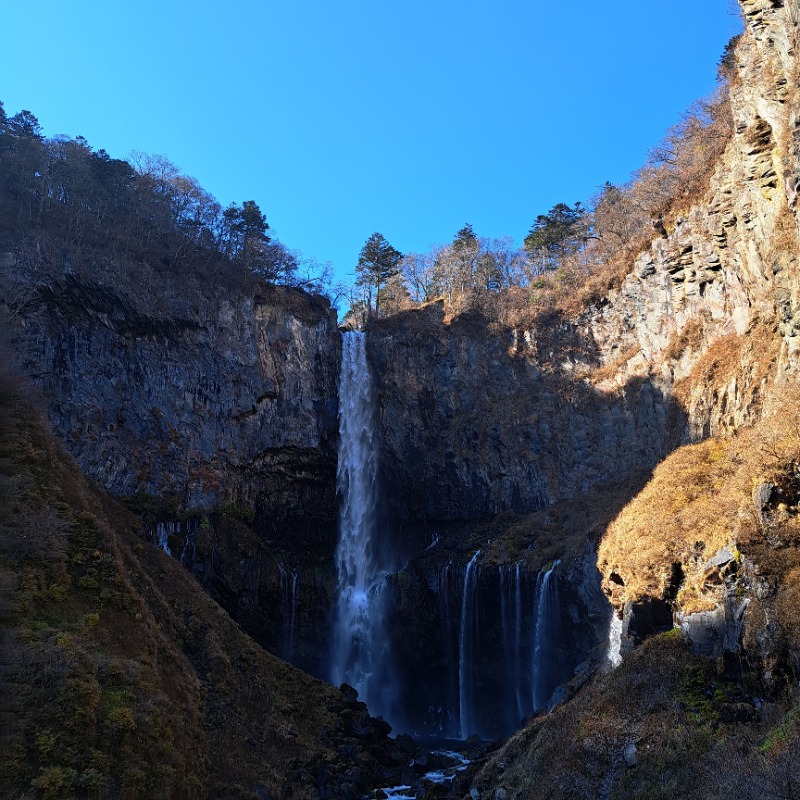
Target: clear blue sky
[344,118]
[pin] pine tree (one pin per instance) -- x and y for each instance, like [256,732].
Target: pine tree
[377,262]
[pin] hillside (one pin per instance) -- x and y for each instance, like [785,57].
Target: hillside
[121,678]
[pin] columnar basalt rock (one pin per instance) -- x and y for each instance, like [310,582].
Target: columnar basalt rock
[727,263]
[469,429]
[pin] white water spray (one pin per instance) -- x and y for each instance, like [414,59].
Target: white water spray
[359,642]
[511,621]
[163,530]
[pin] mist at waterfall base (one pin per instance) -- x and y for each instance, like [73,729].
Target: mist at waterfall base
[497,646]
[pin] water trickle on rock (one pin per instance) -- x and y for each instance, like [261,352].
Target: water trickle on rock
[163,530]
[614,652]
[288,589]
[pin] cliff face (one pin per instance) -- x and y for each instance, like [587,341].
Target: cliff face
[725,285]
[708,554]
[216,417]
[121,678]
[470,428]
[725,270]
[229,403]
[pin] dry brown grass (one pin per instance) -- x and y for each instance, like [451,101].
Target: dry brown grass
[121,677]
[610,369]
[749,358]
[674,707]
[676,519]
[699,500]
[689,338]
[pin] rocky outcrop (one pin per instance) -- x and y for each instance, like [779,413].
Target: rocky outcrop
[722,281]
[721,292]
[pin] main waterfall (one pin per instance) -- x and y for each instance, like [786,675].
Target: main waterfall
[498,653]
[360,653]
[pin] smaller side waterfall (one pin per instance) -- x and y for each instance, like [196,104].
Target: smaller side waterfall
[163,530]
[448,727]
[614,652]
[467,631]
[288,609]
[176,530]
[518,641]
[547,613]
[511,620]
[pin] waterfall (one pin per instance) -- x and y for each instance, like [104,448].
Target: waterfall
[290,649]
[447,727]
[506,600]
[521,711]
[547,612]
[511,624]
[188,550]
[360,646]
[468,612]
[614,653]
[288,609]
[163,530]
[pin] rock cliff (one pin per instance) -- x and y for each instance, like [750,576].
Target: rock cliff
[479,420]
[470,428]
[702,565]
[229,402]
[722,279]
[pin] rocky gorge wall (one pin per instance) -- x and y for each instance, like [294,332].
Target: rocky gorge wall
[722,279]
[230,404]
[215,419]
[220,425]
[477,420]
[470,429]
[710,545]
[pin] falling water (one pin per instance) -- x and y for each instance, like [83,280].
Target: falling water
[521,709]
[447,726]
[511,619]
[288,608]
[614,653]
[163,530]
[546,619]
[359,655]
[465,667]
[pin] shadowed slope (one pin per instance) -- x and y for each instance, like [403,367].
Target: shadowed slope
[122,678]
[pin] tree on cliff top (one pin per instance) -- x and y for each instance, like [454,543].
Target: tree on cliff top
[555,235]
[377,262]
